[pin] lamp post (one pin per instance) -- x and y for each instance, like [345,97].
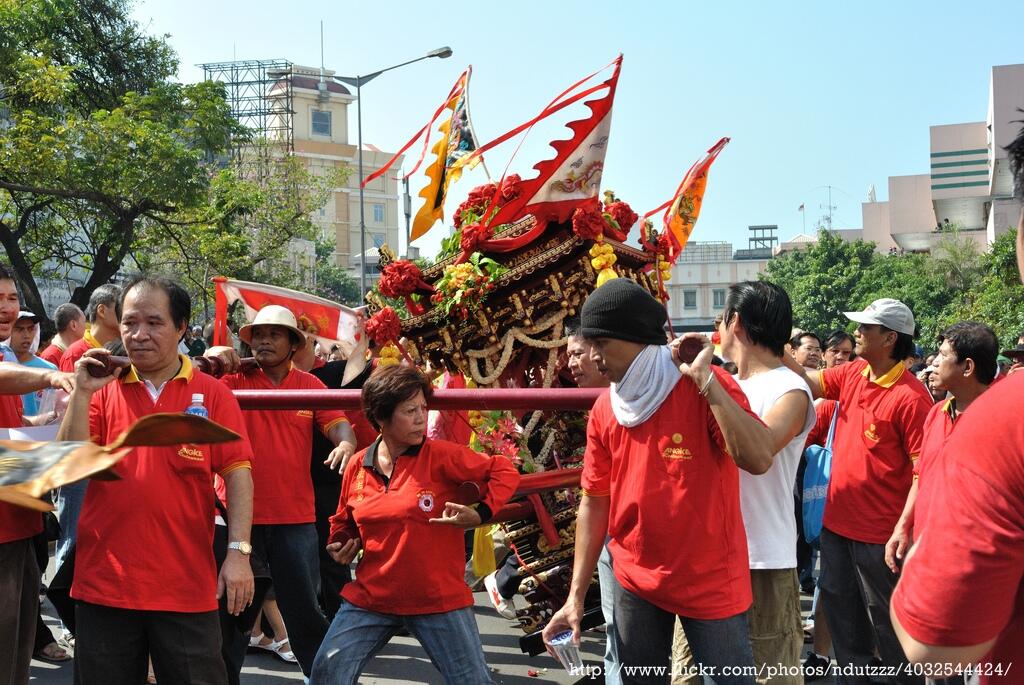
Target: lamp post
[358,82]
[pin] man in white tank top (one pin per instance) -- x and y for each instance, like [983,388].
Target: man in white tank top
[754,331]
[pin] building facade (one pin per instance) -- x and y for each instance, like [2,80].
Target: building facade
[701,278]
[969,183]
[319,136]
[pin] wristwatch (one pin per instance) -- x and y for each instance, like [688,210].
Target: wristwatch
[243,547]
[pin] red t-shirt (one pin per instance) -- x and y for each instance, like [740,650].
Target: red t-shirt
[16,523]
[824,410]
[52,354]
[146,541]
[677,537]
[411,566]
[282,440]
[937,427]
[878,435]
[963,582]
[76,350]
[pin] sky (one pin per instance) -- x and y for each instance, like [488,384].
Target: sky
[812,94]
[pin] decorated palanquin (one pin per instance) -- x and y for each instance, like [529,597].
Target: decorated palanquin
[521,258]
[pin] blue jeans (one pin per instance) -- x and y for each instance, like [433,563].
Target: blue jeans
[69,505]
[451,640]
[607,581]
[644,634]
[290,552]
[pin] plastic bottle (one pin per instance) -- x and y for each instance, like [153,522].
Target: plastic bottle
[197,408]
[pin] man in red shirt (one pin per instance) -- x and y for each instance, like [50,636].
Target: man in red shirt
[70,323]
[660,480]
[960,599]
[103,316]
[965,368]
[878,436]
[145,576]
[284,533]
[19,572]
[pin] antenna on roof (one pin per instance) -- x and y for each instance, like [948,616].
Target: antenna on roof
[322,86]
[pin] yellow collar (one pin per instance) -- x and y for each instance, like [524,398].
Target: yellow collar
[185,373]
[889,378]
[90,338]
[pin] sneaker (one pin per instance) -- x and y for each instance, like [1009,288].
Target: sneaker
[816,666]
[504,607]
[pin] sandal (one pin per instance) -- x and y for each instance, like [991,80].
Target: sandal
[282,653]
[52,653]
[277,647]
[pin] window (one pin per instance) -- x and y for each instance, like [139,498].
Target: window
[719,295]
[378,214]
[321,123]
[689,299]
[378,239]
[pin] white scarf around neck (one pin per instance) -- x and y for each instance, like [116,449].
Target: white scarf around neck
[645,385]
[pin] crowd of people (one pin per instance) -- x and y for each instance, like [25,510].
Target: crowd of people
[690,512]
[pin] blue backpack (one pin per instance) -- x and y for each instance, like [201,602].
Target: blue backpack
[815,485]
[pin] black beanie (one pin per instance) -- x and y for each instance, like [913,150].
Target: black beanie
[623,310]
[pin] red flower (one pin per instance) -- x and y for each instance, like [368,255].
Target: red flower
[587,222]
[384,326]
[510,188]
[473,238]
[400,278]
[623,214]
[666,246]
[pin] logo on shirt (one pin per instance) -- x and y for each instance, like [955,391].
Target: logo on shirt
[304,413]
[191,453]
[870,434]
[425,500]
[675,450]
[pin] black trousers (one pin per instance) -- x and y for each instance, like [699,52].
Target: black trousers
[19,608]
[112,646]
[333,576]
[856,587]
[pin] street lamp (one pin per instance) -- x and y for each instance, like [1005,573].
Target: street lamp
[358,82]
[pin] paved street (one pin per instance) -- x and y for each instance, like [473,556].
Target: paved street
[402,661]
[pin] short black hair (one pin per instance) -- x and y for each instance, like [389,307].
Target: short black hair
[836,338]
[976,341]
[798,339]
[765,311]
[107,294]
[904,346]
[573,326]
[64,315]
[178,297]
[7,273]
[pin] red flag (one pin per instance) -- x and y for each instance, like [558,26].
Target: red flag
[330,322]
[574,174]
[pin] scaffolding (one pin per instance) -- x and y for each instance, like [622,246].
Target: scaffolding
[760,244]
[259,92]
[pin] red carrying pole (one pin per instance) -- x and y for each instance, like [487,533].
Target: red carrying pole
[522,399]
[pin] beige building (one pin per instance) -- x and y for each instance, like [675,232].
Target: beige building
[969,183]
[701,278]
[320,136]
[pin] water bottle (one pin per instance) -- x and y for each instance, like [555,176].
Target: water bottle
[197,408]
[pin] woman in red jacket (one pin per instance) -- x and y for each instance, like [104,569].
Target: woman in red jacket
[398,505]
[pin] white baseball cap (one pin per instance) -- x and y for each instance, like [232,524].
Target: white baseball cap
[887,312]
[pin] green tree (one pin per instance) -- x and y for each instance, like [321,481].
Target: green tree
[998,296]
[86,163]
[332,281]
[107,165]
[822,280]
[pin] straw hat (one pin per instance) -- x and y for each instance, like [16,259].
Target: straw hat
[272,315]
